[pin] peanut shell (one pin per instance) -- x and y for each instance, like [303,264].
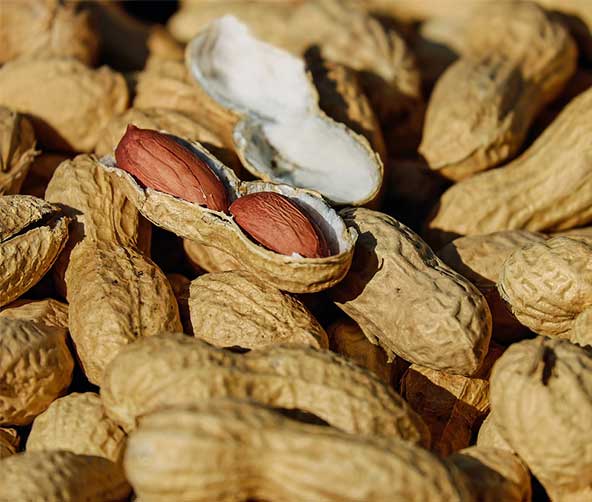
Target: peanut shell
[88,195]
[480,259]
[9,442]
[35,368]
[516,59]
[61,476]
[40,173]
[77,423]
[207,258]
[548,285]
[264,456]
[45,28]
[494,474]
[347,339]
[451,405]
[116,296]
[17,150]
[237,309]
[490,437]
[82,101]
[551,380]
[48,312]
[32,234]
[300,378]
[549,187]
[409,302]
[191,221]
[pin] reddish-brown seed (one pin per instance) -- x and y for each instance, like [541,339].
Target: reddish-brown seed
[158,161]
[279,224]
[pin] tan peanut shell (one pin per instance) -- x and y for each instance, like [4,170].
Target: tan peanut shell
[582,233]
[116,295]
[480,259]
[343,34]
[77,423]
[45,28]
[549,187]
[61,476]
[17,150]
[207,258]
[177,123]
[409,302]
[48,312]
[88,195]
[191,221]
[548,285]
[82,100]
[450,405]
[347,339]
[32,234]
[517,60]
[493,474]
[261,455]
[237,309]
[552,381]
[490,437]
[35,368]
[173,369]
[9,442]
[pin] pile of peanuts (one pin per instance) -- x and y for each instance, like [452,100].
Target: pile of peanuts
[350,264]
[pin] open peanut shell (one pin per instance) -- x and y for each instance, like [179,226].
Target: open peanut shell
[281,134]
[219,230]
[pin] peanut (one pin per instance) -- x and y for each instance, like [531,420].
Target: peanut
[408,302]
[61,476]
[44,28]
[237,309]
[77,423]
[294,274]
[17,150]
[116,296]
[552,381]
[82,100]
[35,368]
[141,377]
[87,195]
[480,259]
[549,187]
[450,405]
[548,285]
[490,437]
[277,223]
[518,59]
[493,474]
[204,258]
[347,339]
[9,441]
[48,312]
[270,457]
[32,234]
[160,162]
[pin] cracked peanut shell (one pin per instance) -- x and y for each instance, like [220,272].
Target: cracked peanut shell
[212,228]
[172,369]
[32,234]
[408,301]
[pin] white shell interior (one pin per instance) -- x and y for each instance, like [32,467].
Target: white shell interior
[284,136]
